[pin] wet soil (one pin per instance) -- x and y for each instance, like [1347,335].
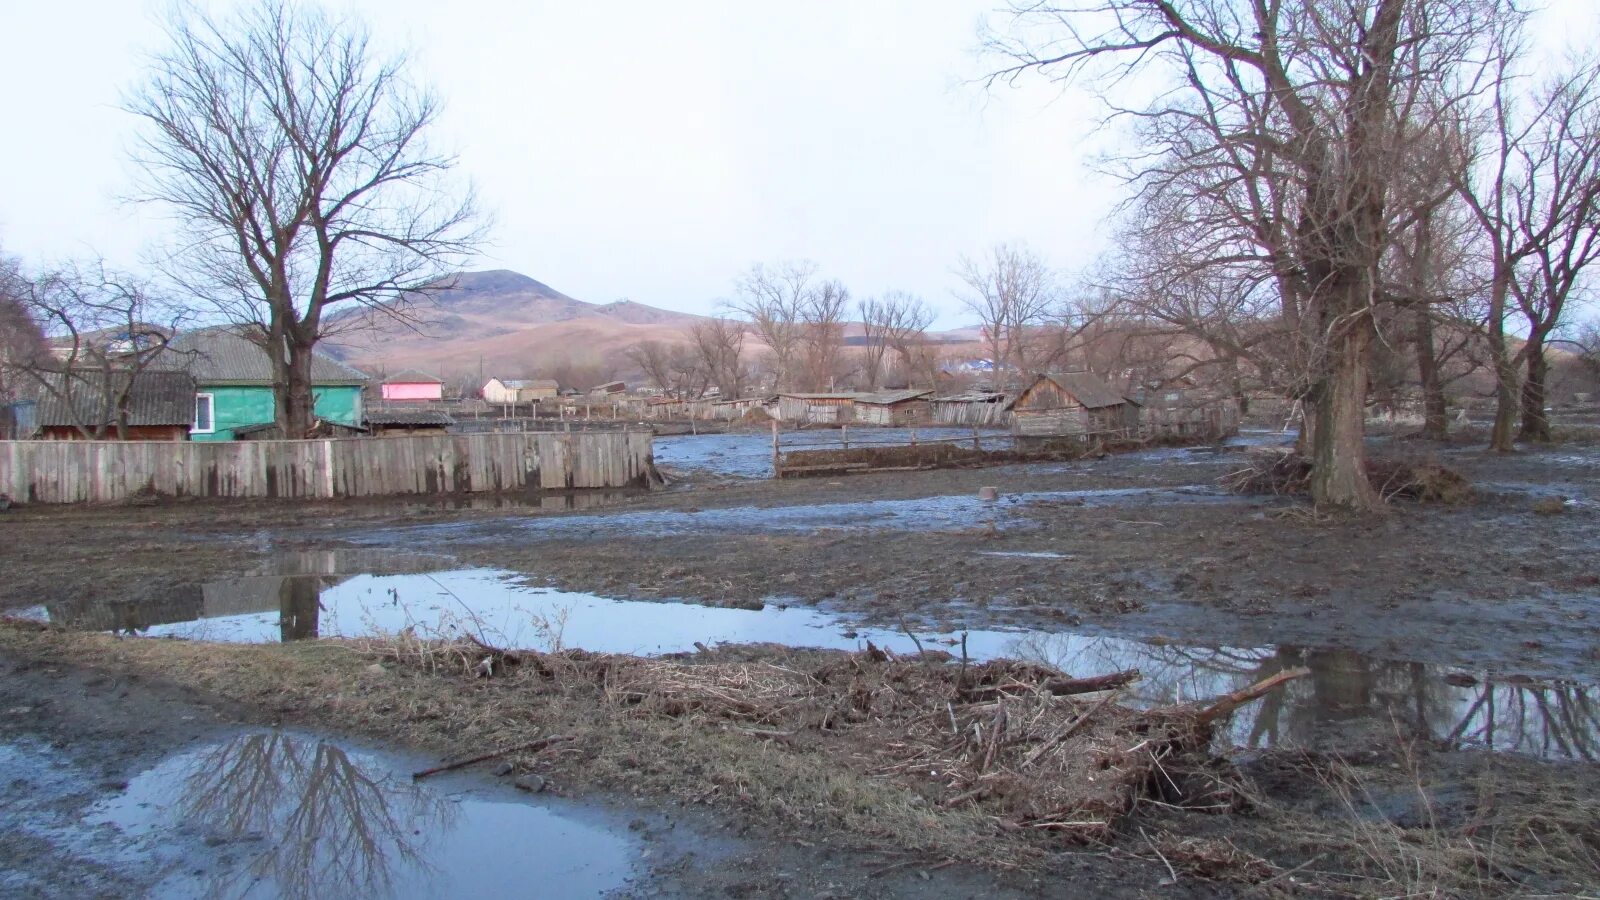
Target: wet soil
[1502,589]
[88,752]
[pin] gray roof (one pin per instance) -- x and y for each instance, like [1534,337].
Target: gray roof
[409,417]
[154,398]
[522,384]
[1088,389]
[412,376]
[889,398]
[226,356]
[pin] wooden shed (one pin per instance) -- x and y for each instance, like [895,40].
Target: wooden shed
[893,408]
[1073,405]
[381,422]
[1188,412]
[819,408]
[972,409]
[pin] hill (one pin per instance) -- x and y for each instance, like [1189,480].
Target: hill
[510,325]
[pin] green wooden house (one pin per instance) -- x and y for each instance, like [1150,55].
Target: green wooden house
[233,385]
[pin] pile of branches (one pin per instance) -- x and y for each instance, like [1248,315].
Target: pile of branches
[1286,472]
[1030,746]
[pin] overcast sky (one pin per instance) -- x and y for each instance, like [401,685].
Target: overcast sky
[643,150]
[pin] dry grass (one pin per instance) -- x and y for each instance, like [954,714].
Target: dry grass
[889,751]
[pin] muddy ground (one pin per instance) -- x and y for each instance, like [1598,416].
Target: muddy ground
[1140,546]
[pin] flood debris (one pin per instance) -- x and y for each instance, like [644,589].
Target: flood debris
[1031,747]
[1286,472]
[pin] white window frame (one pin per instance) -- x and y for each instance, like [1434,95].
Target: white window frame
[211,408]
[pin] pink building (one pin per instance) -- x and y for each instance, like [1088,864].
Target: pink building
[412,385]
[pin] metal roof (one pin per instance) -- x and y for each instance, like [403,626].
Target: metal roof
[409,417]
[1088,389]
[226,356]
[89,400]
[412,376]
[522,384]
[889,398]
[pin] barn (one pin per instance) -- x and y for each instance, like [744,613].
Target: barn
[1073,405]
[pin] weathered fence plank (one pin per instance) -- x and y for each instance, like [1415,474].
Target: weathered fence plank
[104,471]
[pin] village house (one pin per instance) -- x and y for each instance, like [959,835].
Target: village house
[1073,405]
[234,385]
[519,390]
[411,385]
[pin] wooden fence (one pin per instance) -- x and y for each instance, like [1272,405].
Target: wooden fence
[104,471]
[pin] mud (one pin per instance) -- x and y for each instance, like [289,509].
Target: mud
[1467,627]
[124,786]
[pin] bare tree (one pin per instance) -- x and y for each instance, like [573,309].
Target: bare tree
[1274,142]
[822,334]
[1011,291]
[22,341]
[775,299]
[109,328]
[295,156]
[896,322]
[719,344]
[1533,184]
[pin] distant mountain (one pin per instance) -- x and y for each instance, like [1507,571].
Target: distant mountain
[513,324]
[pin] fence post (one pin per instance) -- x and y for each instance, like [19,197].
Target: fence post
[913,434]
[774,448]
[844,432]
[976,443]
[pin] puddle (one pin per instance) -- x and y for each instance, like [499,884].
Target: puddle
[940,513]
[1555,719]
[749,454]
[279,814]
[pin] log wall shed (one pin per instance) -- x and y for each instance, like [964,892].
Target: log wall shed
[1073,405]
[894,408]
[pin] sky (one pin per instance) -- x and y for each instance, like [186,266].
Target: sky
[650,151]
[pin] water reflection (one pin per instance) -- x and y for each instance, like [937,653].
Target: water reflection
[331,828]
[281,815]
[1347,695]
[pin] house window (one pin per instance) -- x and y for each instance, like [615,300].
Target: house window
[204,420]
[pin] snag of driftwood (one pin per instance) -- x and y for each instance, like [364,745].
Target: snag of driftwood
[1062,687]
[1230,702]
[539,744]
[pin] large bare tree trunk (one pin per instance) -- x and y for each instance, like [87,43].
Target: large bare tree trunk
[1535,421]
[1505,376]
[1338,447]
[1435,416]
[298,412]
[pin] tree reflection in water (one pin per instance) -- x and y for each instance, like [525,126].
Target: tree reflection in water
[1344,690]
[330,828]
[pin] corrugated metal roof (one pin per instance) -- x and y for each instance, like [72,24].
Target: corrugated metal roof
[154,398]
[523,384]
[1088,389]
[819,396]
[409,417]
[412,376]
[225,356]
[889,398]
